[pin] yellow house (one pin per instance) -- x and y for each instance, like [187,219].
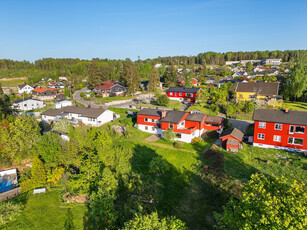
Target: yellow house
[256,90]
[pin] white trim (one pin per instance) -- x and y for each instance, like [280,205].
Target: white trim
[278,147]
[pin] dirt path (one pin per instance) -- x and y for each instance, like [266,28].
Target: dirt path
[13,79]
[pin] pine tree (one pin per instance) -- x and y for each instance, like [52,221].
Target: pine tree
[154,80]
[130,77]
[94,75]
[171,76]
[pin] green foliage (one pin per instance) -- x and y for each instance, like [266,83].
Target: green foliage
[248,106]
[158,166]
[62,125]
[249,67]
[130,77]
[195,140]
[69,223]
[9,211]
[153,221]
[268,202]
[163,100]
[55,176]
[169,135]
[154,80]
[5,105]
[170,76]
[38,173]
[18,140]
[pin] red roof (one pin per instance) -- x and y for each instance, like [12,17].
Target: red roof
[40,90]
[108,82]
[105,86]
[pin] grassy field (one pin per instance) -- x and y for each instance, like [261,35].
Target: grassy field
[11,83]
[171,105]
[301,106]
[204,109]
[46,211]
[251,159]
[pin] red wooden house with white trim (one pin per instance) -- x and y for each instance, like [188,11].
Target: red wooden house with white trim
[185,125]
[183,94]
[281,129]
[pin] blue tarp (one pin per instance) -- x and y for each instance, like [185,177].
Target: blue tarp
[5,186]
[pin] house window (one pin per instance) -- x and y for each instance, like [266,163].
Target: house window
[175,94]
[146,127]
[182,124]
[262,125]
[295,141]
[180,94]
[277,138]
[171,125]
[300,129]
[146,119]
[171,94]
[153,128]
[261,136]
[178,135]
[278,126]
[79,115]
[251,96]
[291,130]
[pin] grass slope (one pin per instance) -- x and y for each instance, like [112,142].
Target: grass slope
[46,211]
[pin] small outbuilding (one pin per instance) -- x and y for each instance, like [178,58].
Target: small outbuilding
[232,139]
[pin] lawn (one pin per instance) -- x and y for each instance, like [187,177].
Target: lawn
[11,83]
[171,105]
[301,106]
[206,109]
[47,211]
[251,159]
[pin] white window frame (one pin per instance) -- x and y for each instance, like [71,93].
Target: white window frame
[293,140]
[299,126]
[278,126]
[146,119]
[153,128]
[262,125]
[259,137]
[290,129]
[277,138]
[171,93]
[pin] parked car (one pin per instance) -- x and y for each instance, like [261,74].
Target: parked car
[131,113]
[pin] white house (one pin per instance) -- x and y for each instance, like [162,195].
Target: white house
[63,103]
[236,75]
[28,104]
[62,78]
[25,88]
[87,116]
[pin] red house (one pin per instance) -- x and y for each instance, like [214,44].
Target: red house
[281,129]
[183,94]
[194,81]
[185,125]
[232,139]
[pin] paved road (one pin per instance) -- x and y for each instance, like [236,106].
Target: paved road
[240,124]
[97,104]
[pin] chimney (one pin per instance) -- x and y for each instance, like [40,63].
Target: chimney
[287,110]
[163,113]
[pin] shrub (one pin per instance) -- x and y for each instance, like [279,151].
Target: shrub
[169,135]
[163,100]
[178,145]
[226,124]
[195,140]
[8,212]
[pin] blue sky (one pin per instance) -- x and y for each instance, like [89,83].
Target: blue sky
[31,30]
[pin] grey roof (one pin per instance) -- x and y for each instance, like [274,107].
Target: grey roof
[52,112]
[280,116]
[263,88]
[150,112]
[61,100]
[21,86]
[195,117]
[85,112]
[26,99]
[234,132]
[212,119]
[232,142]
[183,90]
[173,116]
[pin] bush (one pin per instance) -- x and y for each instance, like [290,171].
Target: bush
[178,145]
[195,140]
[169,135]
[226,124]
[163,100]
[8,212]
